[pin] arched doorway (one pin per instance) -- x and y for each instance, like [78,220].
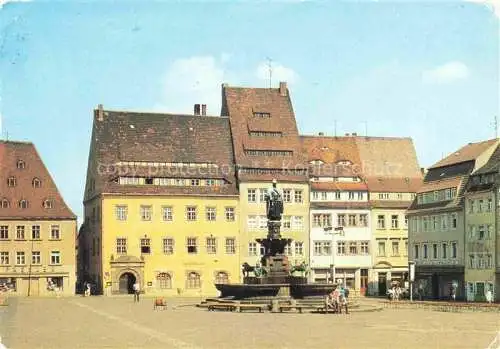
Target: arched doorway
[127,281]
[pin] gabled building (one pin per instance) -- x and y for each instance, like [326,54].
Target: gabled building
[482,245]
[161,204]
[437,222]
[267,146]
[37,228]
[340,232]
[393,176]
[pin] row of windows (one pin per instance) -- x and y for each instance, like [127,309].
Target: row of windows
[265,134]
[21,232]
[344,248]
[480,205]
[338,195]
[394,220]
[480,232]
[12,182]
[255,222]
[192,245]
[441,222]
[47,203]
[443,250]
[193,280]
[296,248]
[352,220]
[268,152]
[436,196]
[480,261]
[289,195]
[180,182]
[167,212]
[395,248]
[36,258]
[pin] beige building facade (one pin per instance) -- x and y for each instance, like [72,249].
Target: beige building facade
[37,229]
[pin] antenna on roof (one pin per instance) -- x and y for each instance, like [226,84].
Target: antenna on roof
[495,124]
[270,67]
[335,128]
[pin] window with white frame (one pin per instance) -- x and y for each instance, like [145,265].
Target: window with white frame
[211,245]
[35,232]
[360,195]
[364,248]
[252,249]
[121,246]
[395,248]
[36,258]
[146,212]
[315,195]
[262,222]
[193,281]
[341,221]
[324,195]
[252,222]
[192,245]
[121,212]
[353,248]
[145,245]
[55,257]
[454,221]
[381,248]
[394,221]
[341,249]
[286,222]
[20,258]
[210,213]
[4,258]
[416,251]
[287,195]
[351,195]
[380,222]
[262,195]
[453,250]
[230,245]
[337,195]
[191,213]
[444,250]
[426,251]
[163,281]
[252,195]
[297,222]
[299,248]
[20,232]
[167,213]
[55,233]
[363,220]
[168,246]
[352,220]
[297,196]
[230,214]
[434,251]
[288,249]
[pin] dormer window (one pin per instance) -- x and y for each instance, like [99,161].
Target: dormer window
[316,162]
[36,183]
[21,164]
[4,203]
[262,115]
[344,162]
[23,204]
[48,203]
[11,181]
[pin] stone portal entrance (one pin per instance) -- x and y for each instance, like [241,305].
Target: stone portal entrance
[125,271]
[126,283]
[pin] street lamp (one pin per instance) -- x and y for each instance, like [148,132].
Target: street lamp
[411,274]
[333,232]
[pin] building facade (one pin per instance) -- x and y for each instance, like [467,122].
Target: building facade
[393,176]
[267,146]
[37,229]
[161,204]
[340,234]
[481,231]
[437,223]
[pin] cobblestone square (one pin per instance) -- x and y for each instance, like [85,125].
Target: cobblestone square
[100,322]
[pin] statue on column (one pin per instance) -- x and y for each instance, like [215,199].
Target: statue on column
[274,210]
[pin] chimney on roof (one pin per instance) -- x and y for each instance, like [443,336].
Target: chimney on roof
[100,112]
[321,134]
[196,109]
[283,88]
[204,110]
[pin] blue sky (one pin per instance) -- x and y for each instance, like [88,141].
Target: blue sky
[427,70]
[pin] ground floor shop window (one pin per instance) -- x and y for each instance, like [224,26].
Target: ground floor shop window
[8,284]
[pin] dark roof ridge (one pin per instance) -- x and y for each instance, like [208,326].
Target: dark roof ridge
[7,141]
[163,114]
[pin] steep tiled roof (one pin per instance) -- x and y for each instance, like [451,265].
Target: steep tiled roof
[394,185]
[12,152]
[332,152]
[453,182]
[493,164]
[240,104]
[153,138]
[468,152]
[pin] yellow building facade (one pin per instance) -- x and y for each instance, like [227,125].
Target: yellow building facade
[294,225]
[166,219]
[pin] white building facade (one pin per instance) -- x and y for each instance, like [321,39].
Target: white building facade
[340,233]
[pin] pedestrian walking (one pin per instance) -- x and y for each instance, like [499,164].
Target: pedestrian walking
[137,290]
[489,296]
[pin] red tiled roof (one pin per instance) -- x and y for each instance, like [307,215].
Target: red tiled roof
[394,185]
[10,153]
[121,136]
[468,152]
[240,104]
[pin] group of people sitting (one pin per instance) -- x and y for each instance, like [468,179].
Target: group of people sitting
[337,299]
[395,293]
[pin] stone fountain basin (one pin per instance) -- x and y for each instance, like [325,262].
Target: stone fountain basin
[293,290]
